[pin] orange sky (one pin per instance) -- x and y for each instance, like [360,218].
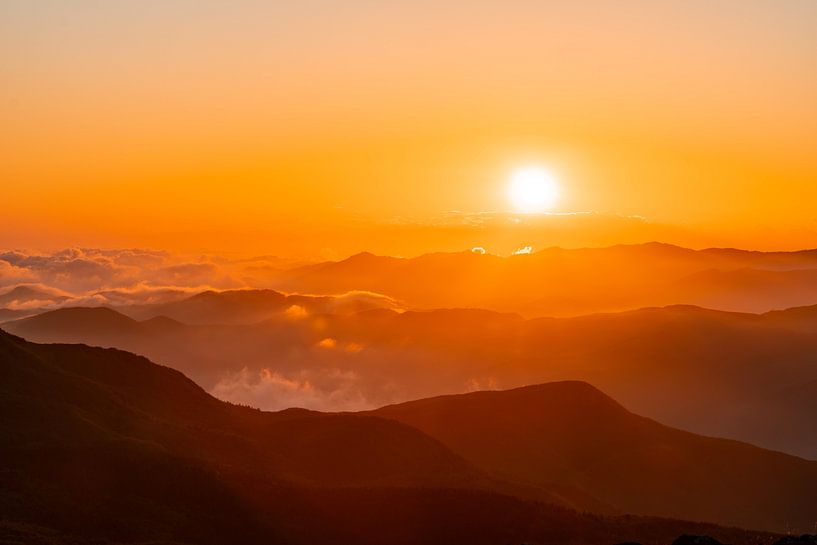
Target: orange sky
[303,129]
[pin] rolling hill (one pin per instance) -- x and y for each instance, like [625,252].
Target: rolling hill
[573,434]
[154,458]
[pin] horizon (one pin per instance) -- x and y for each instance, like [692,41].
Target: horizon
[301,260]
[648,275]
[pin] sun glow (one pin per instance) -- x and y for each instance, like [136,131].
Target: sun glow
[533,189]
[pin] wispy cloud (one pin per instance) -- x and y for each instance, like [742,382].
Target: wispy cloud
[102,276]
[324,390]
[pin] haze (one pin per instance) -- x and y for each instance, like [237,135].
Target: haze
[206,126]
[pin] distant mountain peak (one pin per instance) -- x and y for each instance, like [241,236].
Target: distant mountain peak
[570,395]
[84,313]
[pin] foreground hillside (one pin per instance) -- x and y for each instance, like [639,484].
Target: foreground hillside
[573,434]
[154,458]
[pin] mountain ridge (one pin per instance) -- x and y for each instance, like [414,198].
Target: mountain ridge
[571,432]
[156,458]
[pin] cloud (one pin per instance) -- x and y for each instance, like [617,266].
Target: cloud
[196,273]
[324,390]
[26,296]
[106,275]
[359,300]
[296,312]
[350,347]
[524,250]
[477,385]
[11,274]
[142,293]
[478,250]
[34,287]
[123,277]
[71,269]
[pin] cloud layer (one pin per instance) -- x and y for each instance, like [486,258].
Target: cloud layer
[91,276]
[320,390]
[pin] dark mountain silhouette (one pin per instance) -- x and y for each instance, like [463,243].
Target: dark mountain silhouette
[79,320]
[103,446]
[155,404]
[204,352]
[570,432]
[802,318]
[234,306]
[712,372]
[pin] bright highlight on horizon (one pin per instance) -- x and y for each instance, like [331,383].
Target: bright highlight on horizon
[533,189]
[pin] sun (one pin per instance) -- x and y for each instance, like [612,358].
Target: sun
[533,189]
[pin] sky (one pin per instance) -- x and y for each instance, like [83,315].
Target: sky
[319,128]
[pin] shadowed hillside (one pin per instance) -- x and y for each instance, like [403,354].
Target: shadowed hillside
[571,433]
[155,458]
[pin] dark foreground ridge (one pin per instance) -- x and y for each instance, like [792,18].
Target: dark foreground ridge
[102,446]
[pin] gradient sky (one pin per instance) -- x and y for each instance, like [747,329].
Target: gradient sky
[284,127]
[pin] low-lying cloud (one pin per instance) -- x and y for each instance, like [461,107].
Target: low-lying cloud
[80,270]
[130,280]
[92,276]
[324,390]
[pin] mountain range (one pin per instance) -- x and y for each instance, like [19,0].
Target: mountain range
[725,374]
[153,457]
[548,282]
[567,282]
